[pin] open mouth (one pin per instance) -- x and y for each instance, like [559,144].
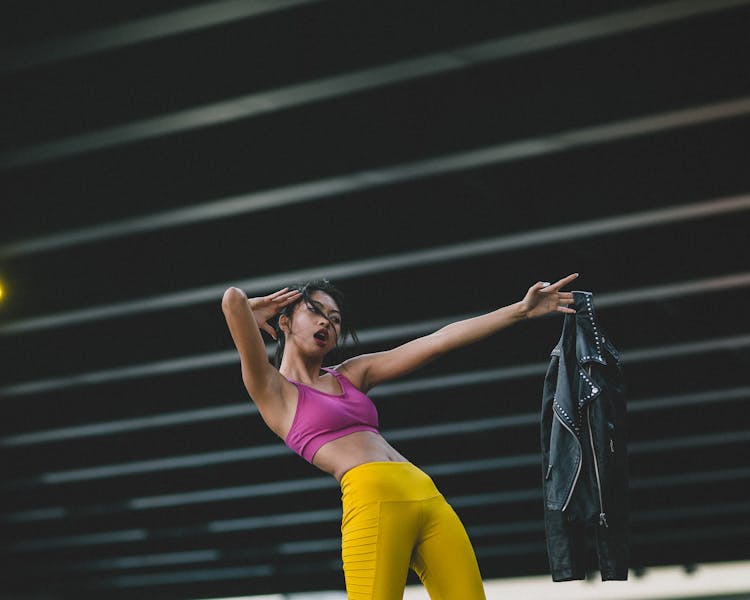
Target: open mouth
[321,335]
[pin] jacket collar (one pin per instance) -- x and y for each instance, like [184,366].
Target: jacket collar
[589,342]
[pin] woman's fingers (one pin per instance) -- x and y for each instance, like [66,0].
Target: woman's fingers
[289,297]
[282,297]
[563,299]
[562,283]
[276,294]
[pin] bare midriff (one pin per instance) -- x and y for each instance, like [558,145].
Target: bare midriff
[338,456]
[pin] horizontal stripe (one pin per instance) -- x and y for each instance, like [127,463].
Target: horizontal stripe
[299,94]
[416,258]
[183,20]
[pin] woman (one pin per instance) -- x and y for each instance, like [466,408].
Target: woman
[393,516]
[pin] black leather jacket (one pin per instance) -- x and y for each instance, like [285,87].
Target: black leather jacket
[584,455]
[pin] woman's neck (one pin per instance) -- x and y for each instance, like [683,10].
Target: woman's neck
[298,368]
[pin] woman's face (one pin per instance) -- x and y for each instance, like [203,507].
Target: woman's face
[315,326]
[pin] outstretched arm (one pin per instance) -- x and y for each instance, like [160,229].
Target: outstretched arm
[368,370]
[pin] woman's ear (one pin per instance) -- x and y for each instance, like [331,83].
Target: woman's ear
[284,324]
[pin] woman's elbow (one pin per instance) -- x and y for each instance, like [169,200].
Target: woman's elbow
[232,297]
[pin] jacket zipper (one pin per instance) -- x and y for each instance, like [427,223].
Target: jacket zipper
[580,460]
[602,514]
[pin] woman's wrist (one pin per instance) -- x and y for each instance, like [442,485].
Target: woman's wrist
[518,311]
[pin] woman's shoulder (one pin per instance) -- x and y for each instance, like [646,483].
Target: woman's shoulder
[352,370]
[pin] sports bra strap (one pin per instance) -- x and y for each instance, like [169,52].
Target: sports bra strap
[334,372]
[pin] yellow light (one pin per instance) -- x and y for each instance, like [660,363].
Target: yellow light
[2,291]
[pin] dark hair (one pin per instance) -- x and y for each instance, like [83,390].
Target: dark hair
[307,289]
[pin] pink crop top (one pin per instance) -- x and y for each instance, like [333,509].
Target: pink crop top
[322,417]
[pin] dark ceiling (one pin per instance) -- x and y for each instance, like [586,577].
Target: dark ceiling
[434,159]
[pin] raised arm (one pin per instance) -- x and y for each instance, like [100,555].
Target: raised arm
[244,318]
[368,370]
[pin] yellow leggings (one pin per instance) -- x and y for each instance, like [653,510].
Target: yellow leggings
[395,518]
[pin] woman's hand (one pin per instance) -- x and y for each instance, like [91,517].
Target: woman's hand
[544,298]
[265,308]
